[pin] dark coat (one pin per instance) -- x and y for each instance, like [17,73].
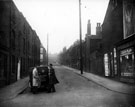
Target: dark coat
[52,77]
[30,76]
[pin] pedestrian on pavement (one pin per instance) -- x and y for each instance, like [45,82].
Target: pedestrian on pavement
[31,78]
[52,79]
[35,80]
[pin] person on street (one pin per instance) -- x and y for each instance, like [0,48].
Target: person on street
[35,80]
[31,78]
[52,79]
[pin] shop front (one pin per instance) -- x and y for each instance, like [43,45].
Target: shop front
[110,63]
[127,62]
[126,59]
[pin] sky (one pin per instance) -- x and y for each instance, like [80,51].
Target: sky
[59,19]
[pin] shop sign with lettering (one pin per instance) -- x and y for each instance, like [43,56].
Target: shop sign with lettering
[126,51]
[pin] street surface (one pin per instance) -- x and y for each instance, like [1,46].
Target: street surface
[72,91]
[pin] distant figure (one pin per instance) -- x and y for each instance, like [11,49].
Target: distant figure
[31,78]
[35,80]
[52,79]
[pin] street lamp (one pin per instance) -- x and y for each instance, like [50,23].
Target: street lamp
[80,23]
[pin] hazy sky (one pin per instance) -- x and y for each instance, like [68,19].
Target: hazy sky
[60,19]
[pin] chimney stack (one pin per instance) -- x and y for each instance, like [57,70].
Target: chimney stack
[89,28]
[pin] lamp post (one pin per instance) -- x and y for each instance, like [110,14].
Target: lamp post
[80,28]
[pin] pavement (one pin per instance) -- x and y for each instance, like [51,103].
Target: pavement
[107,83]
[11,91]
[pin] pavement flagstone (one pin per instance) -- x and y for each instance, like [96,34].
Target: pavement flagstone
[11,91]
[107,83]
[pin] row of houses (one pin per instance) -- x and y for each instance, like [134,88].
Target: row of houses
[110,52]
[19,44]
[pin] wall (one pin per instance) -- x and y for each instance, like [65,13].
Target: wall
[18,43]
[112,31]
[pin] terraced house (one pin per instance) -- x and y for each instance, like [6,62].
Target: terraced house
[118,32]
[19,44]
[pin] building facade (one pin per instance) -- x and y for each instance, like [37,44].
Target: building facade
[126,47]
[112,32]
[43,55]
[93,53]
[119,40]
[19,44]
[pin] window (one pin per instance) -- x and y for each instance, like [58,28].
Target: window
[41,56]
[28,46]
[13,40]
[19,41]
[41,50]
[24,45]
[127,62]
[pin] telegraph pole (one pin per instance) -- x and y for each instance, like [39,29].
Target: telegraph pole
[80,23]
[47,50]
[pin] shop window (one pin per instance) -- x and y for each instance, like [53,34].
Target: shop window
[127,62]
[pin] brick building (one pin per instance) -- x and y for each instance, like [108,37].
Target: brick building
[93,53]
[43,55]
[19,44]
[126,47]
[112,32]
[118,32]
